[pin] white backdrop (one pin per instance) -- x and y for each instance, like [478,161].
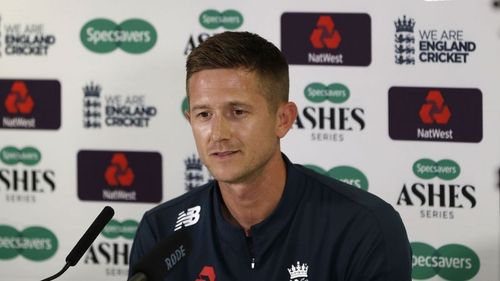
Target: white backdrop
[56,173]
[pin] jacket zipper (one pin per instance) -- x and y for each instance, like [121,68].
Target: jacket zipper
[250,250]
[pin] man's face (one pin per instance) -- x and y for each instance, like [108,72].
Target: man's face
[235,133]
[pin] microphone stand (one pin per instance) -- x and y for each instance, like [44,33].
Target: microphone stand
[139,276]
[86,240]
[66,266]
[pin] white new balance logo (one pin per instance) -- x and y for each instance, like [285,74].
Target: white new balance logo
[188,218]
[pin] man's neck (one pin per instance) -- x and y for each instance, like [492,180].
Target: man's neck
[247,204]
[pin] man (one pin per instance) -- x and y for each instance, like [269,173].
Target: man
[264,218]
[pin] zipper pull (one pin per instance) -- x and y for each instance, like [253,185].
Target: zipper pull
[252,265]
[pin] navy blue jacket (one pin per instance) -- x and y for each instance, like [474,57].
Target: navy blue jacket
[321,230]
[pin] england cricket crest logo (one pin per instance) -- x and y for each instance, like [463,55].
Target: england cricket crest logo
[196,174]
[404,41]
[298,272]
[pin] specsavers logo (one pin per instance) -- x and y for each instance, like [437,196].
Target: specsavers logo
[324,119]
[214,20]
[229,19]
[133,36]
[125,229]
[34,243]
[184,105]
[347,174]
[438,193]
[22,179]
[452,262]
[112,249]
[28,156]
[318,93]
[444,169]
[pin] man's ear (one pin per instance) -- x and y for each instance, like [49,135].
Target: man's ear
[187,115]
[286,116]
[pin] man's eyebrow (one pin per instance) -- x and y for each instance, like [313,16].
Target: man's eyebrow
[200,107]
[230,104]
[240,104]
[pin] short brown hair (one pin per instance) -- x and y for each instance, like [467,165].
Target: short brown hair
[248,51]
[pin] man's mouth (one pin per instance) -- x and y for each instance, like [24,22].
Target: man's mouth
[223,153]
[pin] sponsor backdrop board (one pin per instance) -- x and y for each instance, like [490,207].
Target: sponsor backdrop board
[399,98]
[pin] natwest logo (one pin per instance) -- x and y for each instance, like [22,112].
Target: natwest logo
[325,35]
[119,176]
[437,193]
[207,273]
[30,104]
[326,39]
[434,110]
[118,172]
[435,114]
[18,100]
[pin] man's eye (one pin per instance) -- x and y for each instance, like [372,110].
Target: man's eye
[239,112]
[203,114]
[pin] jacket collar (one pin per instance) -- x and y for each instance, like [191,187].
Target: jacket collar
[265,233]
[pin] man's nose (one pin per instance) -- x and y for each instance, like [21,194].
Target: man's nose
[220,129]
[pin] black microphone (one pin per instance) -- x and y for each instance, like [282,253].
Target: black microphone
[165,255]
[84,243]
